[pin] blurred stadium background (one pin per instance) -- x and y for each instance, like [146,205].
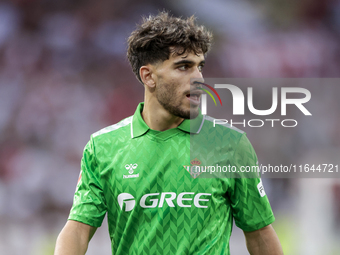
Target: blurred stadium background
[64,75]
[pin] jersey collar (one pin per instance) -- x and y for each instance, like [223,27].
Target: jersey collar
[139,127]
[192,126]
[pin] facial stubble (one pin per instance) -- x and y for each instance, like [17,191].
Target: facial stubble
[167,97]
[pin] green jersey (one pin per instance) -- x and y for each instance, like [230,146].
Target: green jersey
[155,203]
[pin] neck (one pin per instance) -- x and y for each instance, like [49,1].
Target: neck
[157,118]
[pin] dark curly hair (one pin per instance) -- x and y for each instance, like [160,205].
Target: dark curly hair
[160,35]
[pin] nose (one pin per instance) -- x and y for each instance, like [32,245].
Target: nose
[198,73]
[197,76]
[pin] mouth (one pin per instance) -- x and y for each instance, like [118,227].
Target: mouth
[194,97]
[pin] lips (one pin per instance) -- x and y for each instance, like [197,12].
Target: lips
[194,97]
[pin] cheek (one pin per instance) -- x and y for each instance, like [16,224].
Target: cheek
[177,90]
[171,88]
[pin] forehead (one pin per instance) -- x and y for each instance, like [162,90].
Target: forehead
[187,55]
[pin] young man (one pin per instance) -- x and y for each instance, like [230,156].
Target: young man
[137,171]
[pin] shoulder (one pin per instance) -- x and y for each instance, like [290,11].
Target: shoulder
[121,129]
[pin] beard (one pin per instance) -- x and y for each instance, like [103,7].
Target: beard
[167,97]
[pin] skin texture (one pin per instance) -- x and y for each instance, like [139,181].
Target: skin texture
[167,85]
[74,238]
[263,242]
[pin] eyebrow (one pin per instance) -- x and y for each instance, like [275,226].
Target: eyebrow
[184,61]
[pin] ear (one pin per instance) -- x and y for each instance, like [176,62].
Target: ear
[145,73]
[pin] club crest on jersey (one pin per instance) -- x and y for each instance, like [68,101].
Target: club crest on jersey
[131,168]
[194,168]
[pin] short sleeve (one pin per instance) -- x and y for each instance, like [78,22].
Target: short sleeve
[250,206]
[89,205]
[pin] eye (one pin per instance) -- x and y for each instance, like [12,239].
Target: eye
[200,68]
[183,67]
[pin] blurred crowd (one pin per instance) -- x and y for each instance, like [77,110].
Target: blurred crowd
[64,75]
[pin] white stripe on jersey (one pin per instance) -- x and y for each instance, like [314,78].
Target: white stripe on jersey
[108,129]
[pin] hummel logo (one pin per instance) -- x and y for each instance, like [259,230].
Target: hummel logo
[130,168]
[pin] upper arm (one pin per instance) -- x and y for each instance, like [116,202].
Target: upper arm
[263,241]
[84,231]
[89,204]
[74,238]
[250,205]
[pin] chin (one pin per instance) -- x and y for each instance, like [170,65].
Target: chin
[182,112]
[193,114]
